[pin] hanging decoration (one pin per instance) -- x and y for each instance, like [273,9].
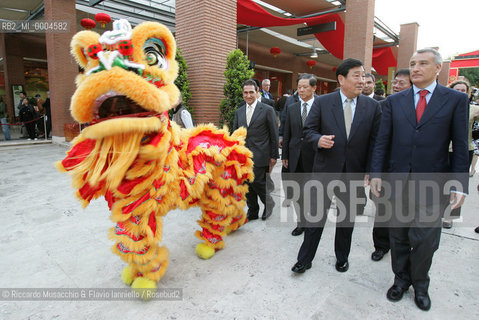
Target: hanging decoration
[311,63]
[275,51]
[88,23]
[102,19]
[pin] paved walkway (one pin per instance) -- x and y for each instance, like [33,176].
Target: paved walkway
[48,241]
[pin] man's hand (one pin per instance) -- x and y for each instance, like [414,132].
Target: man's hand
[366,180]
[272,162]
[285,163]
[376,185]
[456,200]
[326,142]
[280,143]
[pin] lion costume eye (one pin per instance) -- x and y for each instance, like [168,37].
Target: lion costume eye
[155,53]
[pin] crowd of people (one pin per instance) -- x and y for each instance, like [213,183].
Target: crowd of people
[422,128]
[34,115]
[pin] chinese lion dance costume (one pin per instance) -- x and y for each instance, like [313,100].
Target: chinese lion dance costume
[143,164]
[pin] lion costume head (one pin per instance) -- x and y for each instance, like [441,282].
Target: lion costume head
[126,72]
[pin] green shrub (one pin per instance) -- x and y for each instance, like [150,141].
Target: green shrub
[182,80]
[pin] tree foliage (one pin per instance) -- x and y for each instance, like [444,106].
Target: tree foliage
[379,85]
[182,80]
[237,72]
[472,74]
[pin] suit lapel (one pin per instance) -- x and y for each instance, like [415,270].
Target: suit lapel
[257,111]
[358,115]
[242,117]
[296,115]
[337,110]
[407,105]
[435,104]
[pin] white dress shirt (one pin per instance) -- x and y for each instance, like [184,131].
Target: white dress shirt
[353,103]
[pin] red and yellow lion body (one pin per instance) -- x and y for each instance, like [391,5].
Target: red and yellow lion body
[143,164]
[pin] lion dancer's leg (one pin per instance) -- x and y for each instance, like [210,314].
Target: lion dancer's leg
[222,213]
[137,243]
[214,222]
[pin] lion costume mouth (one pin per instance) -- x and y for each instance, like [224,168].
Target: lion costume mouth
[112,104]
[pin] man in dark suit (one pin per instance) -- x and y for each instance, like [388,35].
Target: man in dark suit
[298,155]
[380,230]
[369,84]
[342,126]
[282,116]
[416,128]
[262,140]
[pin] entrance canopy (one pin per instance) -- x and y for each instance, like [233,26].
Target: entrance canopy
[270,21]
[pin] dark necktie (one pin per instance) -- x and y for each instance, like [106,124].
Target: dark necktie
[421,105]
[304,113]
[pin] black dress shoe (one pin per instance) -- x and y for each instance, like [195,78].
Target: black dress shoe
[377,255]
[266,214]
[342,267]
[422,300]
[476,230]
[300,268]
[252,216]
[395,293]
[297,231]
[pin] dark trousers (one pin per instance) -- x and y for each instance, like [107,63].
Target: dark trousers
[344,228]
[256,189]
[381,227]
[413,244]
[30,129]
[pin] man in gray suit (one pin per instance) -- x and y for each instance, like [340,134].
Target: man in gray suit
[262,140]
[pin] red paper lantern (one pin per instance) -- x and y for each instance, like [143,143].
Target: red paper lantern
[275,51]
[334,69]
[311,63]
[102,18]
[88,23]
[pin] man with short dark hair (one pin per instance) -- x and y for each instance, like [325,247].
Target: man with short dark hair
[262,140]
[369,84]
[402,80]
[413,140]
[342,127]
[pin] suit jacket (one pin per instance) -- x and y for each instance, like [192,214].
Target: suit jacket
[262,133]
[290,100]
[267,101]
[294,144]
[403,145]
[267,95]
[351,154]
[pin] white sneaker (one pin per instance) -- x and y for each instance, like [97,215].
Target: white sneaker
[29,139]
[35,139]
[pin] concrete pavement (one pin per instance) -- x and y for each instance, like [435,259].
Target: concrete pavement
[48,241]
